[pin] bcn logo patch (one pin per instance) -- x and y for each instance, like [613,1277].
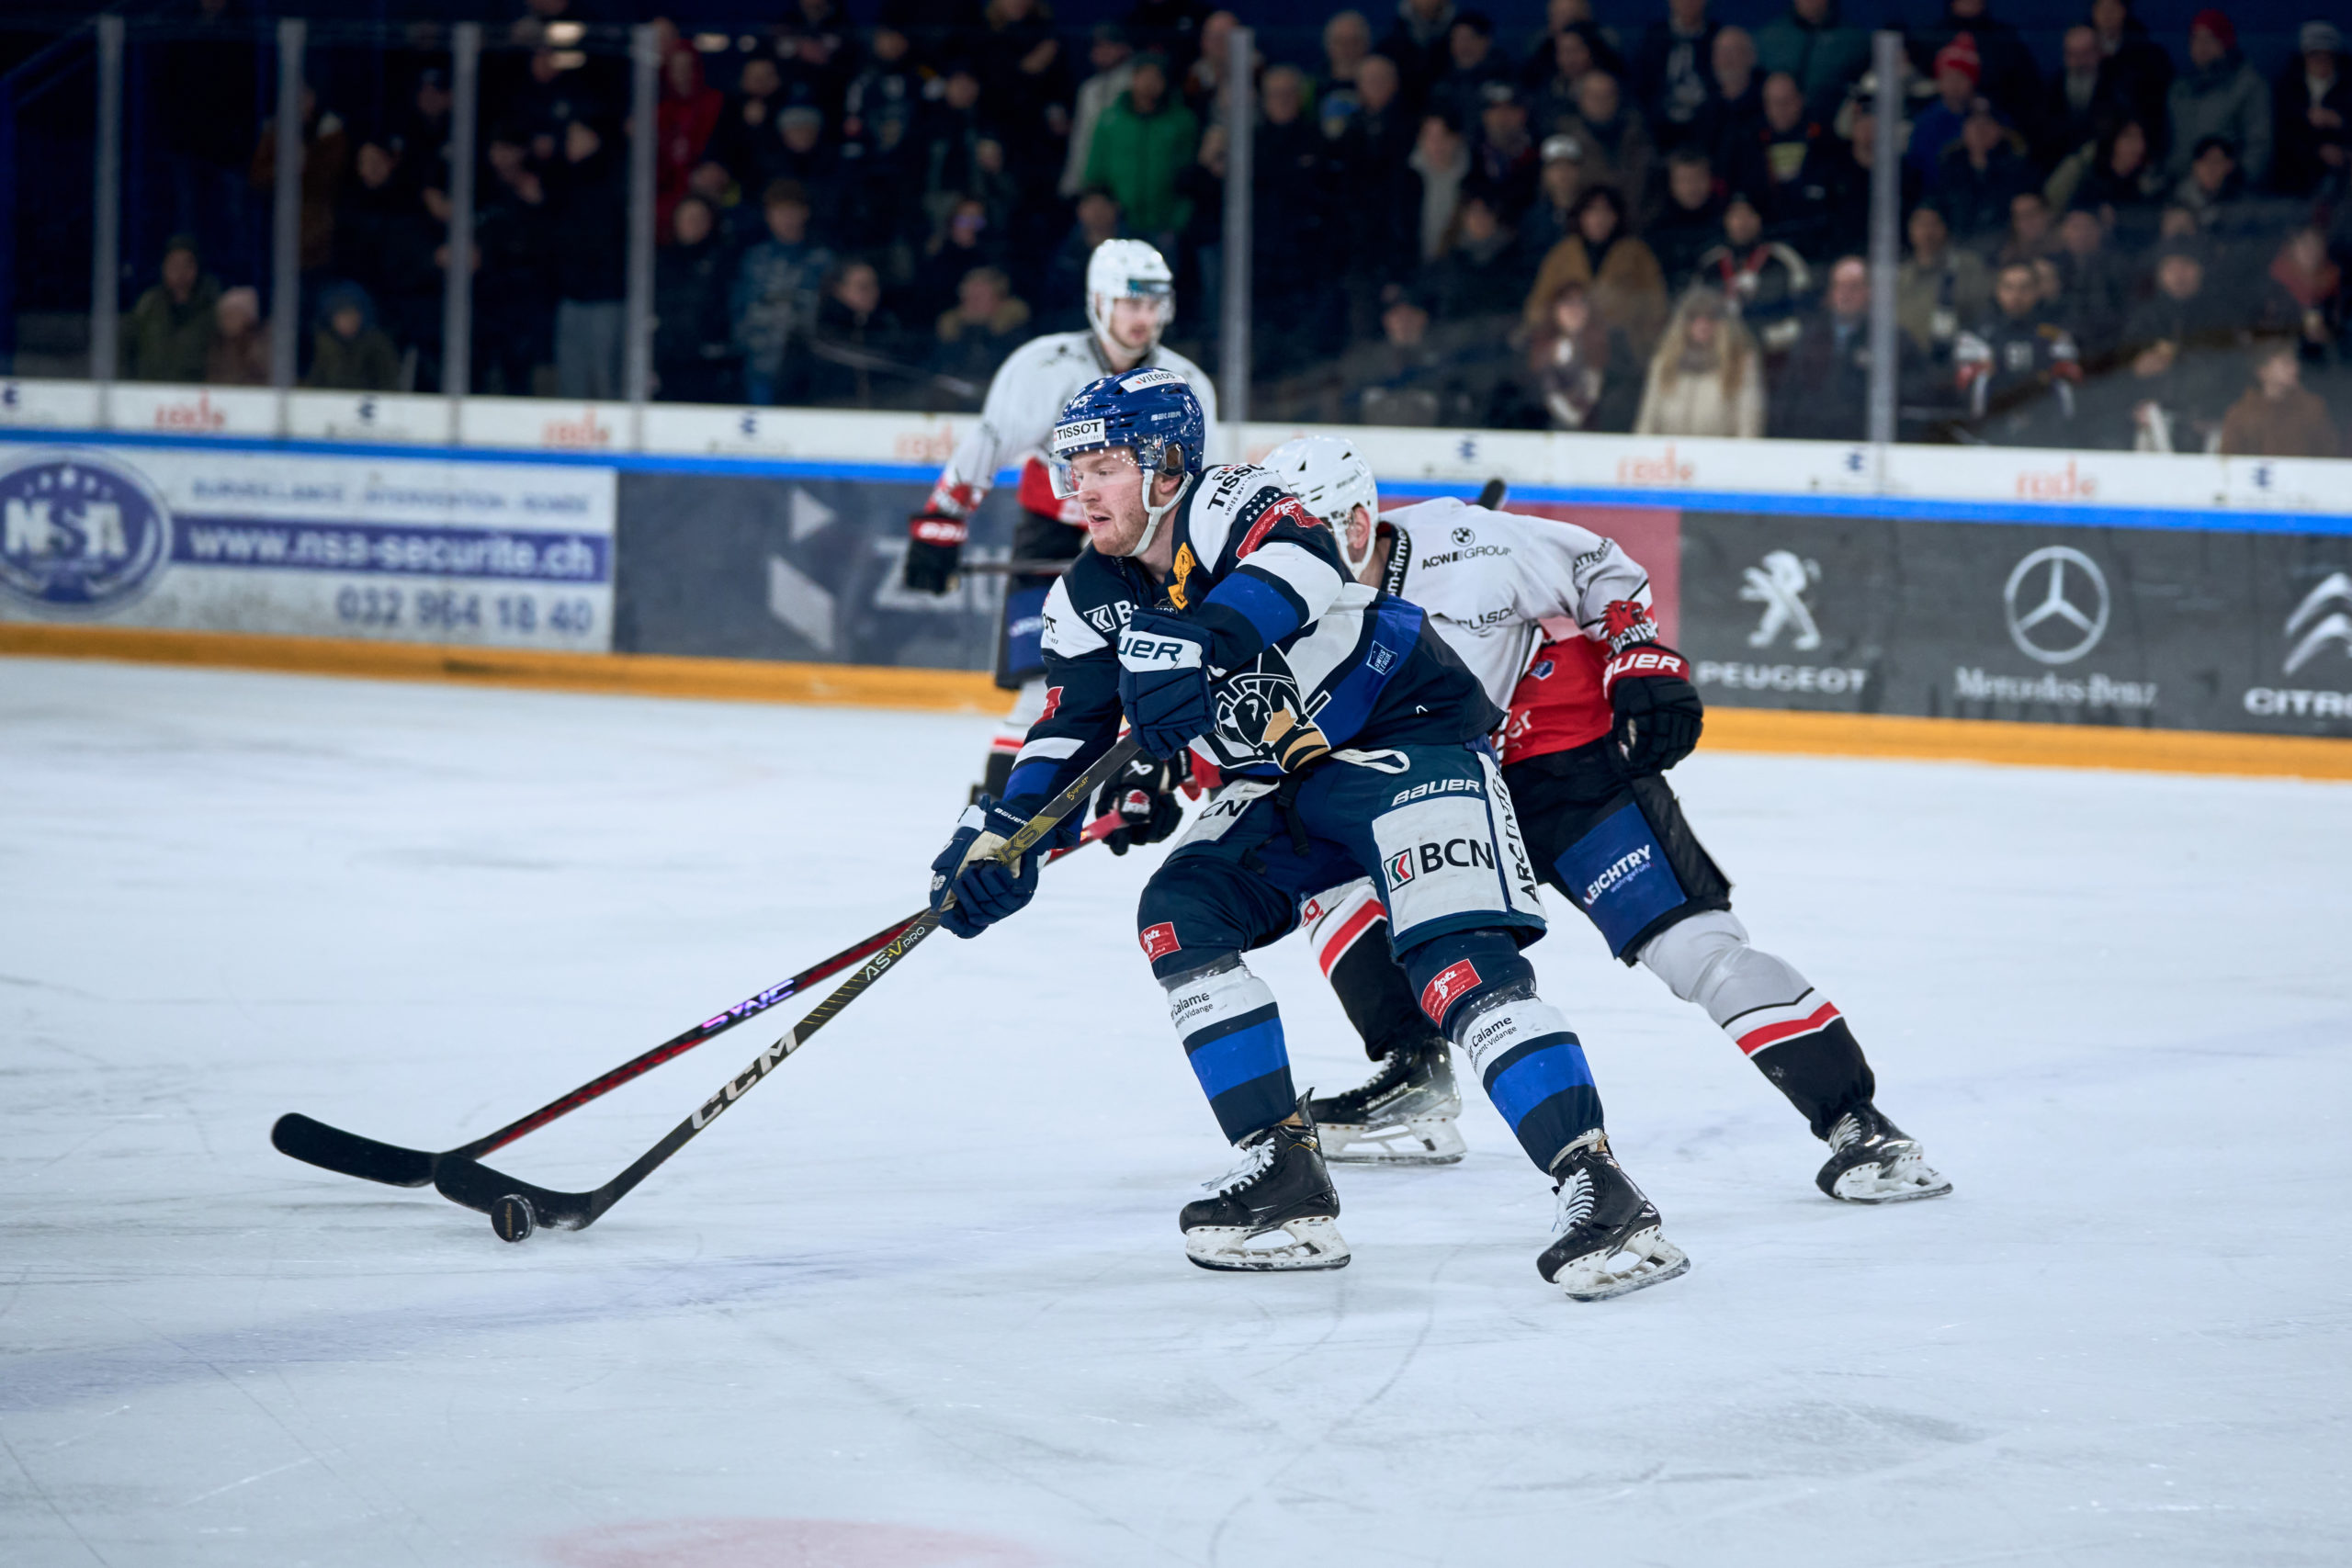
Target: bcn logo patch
[1453,982]
[1159,940]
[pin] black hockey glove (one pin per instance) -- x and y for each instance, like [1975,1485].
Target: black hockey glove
[1658,714]
[987,889]
[934,550]
[1143,796]
[1164,682]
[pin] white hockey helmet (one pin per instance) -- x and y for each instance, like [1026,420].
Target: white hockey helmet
[1331,479]
[1127,269]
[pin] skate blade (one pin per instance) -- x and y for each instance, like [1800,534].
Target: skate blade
[1647,1259]
[1311,1243]
[1907,1180]
[1424,1141]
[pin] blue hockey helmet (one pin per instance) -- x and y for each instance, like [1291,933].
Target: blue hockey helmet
[1151,411]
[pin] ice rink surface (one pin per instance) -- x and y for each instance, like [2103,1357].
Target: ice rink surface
[920,1302]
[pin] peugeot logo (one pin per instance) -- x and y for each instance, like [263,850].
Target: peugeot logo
[2046,620]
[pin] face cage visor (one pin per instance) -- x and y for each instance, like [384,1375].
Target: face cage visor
[1065,476]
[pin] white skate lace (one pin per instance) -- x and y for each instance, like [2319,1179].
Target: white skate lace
[1845,1132]
[1576,1196]
[1254,1160]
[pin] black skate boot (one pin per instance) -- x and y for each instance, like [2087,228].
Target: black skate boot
[1609,1233]
[1280,1189]
[1403,1115]
[1872,1161]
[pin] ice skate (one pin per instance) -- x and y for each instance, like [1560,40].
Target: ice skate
[1609,1242]
[1872,1161]
[1274,1210]
[1404,1114]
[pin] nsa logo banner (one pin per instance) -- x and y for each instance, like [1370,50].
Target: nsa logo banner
[76,534]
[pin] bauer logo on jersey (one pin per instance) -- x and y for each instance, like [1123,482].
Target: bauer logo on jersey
[1142,651]
[77,534]
[1077,434]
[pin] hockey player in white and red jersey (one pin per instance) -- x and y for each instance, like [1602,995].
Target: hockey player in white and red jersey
[1554,622]
[1130,300]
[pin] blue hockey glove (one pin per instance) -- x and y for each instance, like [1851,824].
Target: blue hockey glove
[987,890]
[1164,682]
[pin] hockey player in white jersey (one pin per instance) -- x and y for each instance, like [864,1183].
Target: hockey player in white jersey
[1554,622]
[1130,300]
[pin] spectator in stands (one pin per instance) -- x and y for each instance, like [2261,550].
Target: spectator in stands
[1504,164]
[1586,374]
[1692,219]
[2094,289]
[947,141]
[168,333]
[1294,229]
[1669,72]
[2122,185]
[1540,59]
[743,137]
[1170,28]
[1822,391]
[1939,286]
[326,152]
[1442,159]
[1809,43]
[1791,166]
[1063,303]
[2134,71]
[1202,88]
[986,323]
[1113,59]
[1480,273]
[552,96]
[813,56]
[967,239]
[1734,111]
[1421,42]
[2302,298]
[351,354]
[1846,185]
[2314,107]
[1979,175]
[514,286]
[239,353]
[1473,64]
[2212,192]
[1578,50]
[885,89]
[1935,129]
[694,347]
[1764,282]
[589,196]
[803,155]
[1142,142]
[1619,274]
[2018,370]
[856,343]
[774,296]
[384,241]
[2178,346]
[2032,235]
[1617,146]
[1347,43]
[1380,212]
[423,134]
[2072,107]
[2219,95]
[2008,75]
[685,118]
[1707,377]
[1560,181]
[2276,417]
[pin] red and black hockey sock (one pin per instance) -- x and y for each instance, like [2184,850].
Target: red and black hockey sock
[1810,1054]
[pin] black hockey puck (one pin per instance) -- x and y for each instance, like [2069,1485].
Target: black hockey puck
[512,1218]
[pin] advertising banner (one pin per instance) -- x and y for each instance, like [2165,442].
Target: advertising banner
[502,554]
[2160,628]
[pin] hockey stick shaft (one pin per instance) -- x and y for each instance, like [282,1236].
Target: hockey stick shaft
[466,1181]
[348,1153]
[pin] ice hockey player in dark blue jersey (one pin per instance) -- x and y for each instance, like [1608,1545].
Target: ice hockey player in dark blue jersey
[1211,613]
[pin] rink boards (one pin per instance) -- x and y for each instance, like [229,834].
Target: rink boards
[2086,604]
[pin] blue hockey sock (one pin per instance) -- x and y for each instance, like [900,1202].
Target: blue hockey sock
[1233,1036]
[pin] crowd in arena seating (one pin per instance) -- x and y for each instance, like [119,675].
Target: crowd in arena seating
[1657,230]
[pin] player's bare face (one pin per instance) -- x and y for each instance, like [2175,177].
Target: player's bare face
[1109,493]
[1132,323]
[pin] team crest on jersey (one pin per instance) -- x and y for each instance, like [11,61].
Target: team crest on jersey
[1179,573]
[1543,671]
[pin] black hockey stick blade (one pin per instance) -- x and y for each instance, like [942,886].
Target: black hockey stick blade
[1492,495]
[468,1182]
[348,1153]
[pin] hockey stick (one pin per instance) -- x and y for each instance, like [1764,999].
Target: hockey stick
[1492,495]
[347,1153]
[518,1207]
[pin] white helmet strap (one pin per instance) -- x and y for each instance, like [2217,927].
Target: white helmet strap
[1152,515]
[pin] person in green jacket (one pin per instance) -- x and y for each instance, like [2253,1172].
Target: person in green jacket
[351,353]
[1809,43]
[170,329]
[1143,140]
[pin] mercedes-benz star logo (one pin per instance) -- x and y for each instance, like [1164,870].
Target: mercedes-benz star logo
[2038,595]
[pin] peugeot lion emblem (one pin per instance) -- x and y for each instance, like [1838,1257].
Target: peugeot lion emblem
[2057,605]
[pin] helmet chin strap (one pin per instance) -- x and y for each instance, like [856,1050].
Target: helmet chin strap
[1152,515]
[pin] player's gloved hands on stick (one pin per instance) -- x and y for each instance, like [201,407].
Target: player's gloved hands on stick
[934,550]
[1143,796]
[986,888]
[1658,714]
[1164,682]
